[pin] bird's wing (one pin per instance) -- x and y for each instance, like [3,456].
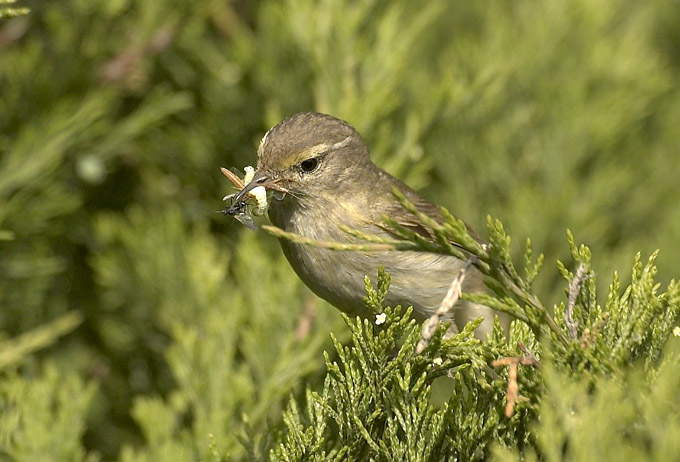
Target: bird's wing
[393,209]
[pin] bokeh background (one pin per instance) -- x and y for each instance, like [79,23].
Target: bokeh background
[137,324]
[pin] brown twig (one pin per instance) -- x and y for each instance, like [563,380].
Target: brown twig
[574,288]
[233,178]
[304,325]
[528,353]
[589,336]
[122,67]
[445,306]
[512,394]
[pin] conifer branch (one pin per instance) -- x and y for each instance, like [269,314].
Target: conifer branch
[452,296]
[574,287]
[15,350]
[340,246]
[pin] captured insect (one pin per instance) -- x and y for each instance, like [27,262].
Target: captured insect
[239,210]
[239,207]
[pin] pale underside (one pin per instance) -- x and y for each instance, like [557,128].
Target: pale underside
[418,279]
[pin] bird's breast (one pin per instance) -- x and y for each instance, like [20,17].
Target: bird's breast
[418,279]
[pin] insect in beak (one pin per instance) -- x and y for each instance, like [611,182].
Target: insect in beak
[252,186]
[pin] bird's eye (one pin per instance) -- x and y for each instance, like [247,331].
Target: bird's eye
[309,165]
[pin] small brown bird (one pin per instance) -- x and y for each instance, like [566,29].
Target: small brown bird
[321,169]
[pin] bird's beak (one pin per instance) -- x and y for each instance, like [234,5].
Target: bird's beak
[261,178]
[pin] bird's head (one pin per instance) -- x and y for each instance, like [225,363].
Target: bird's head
[307,155]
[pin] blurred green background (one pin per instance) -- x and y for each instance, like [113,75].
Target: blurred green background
[116,115]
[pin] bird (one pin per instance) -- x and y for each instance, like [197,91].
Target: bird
[323,178]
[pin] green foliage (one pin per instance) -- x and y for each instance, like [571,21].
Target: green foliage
[44,419]
[137,324]
[628,417]
[14,351]
[376,400]
[563,124]
[221,366]
[9,12]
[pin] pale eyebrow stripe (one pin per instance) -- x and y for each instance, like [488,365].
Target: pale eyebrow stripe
[262,142]
[342,144]
[323,147]
[316,149]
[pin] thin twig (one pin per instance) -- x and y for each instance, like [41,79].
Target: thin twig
[513,391]
[589,337]
[523,360]
[574,288]
[445,306]
[512,394]
[372,238]
[331,245]
[528,298]
[528,353]
[233,178]
[304,325]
